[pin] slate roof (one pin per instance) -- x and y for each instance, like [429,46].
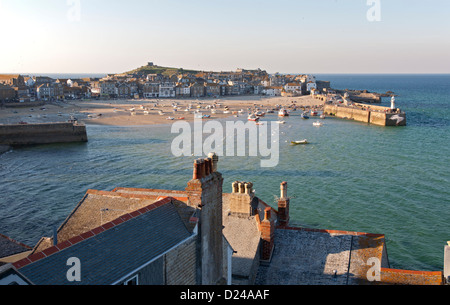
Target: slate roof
[111,251]
[99,207]
[320,257]
[9,247]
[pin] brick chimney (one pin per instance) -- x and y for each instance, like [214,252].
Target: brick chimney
[283,206]
[267,235]
[205,194]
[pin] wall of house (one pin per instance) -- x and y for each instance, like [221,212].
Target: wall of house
[180,265]
[31,134]
[152,274]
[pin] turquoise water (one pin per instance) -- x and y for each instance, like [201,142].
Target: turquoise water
[352,176]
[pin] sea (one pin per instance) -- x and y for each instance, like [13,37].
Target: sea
[352,176]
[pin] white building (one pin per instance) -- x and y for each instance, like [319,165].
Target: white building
[293,88]
[167,89]
[272,91]
[310,86]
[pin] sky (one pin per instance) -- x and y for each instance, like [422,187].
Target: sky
[285,36]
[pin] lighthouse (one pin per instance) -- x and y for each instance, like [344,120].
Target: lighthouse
[393,103]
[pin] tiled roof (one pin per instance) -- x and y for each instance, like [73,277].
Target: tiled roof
[111,251]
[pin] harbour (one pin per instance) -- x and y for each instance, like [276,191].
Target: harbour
[387,180]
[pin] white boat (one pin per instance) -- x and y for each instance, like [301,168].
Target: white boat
[283,113]
[253,118]
[281,122]
[299,142]
[317,123]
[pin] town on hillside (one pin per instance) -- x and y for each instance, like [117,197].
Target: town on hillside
[152,81]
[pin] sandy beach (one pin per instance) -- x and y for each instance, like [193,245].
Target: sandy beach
[122,112]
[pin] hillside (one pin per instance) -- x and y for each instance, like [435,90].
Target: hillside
[166,71]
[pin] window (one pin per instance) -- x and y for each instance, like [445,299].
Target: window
[134,281]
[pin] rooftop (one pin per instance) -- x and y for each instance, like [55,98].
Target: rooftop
[129,241]
[319,257]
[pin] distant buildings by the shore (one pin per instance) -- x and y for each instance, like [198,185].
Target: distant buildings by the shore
[23,88]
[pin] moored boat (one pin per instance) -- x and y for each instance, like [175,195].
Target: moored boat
[299,142]
[253,117]
[283,112]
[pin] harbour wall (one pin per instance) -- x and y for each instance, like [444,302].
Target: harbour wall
[375,115]
[34,134]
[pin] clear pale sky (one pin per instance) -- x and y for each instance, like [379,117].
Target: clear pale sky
[286,36]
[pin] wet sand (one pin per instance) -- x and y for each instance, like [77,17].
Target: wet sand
[124,112]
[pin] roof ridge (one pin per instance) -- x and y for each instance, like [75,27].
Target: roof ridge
[87,235]
[353,233]
[119,194]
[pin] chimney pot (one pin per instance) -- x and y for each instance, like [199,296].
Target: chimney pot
[267,213]
[202,168]
[214,160]
[208,166]
[283,189]
[196,170]
[235,187]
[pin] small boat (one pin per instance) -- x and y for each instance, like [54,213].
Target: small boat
[322,116]
[304,116]
[283,113]
[314,113]
[206,116]
[180,118]
[299,142]
[260,114]
[170,118]
[317,123]
[281,122]
[253,118]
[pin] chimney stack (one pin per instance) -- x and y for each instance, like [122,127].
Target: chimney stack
[204,193]
[267,235]
[283,206]
[241,199]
